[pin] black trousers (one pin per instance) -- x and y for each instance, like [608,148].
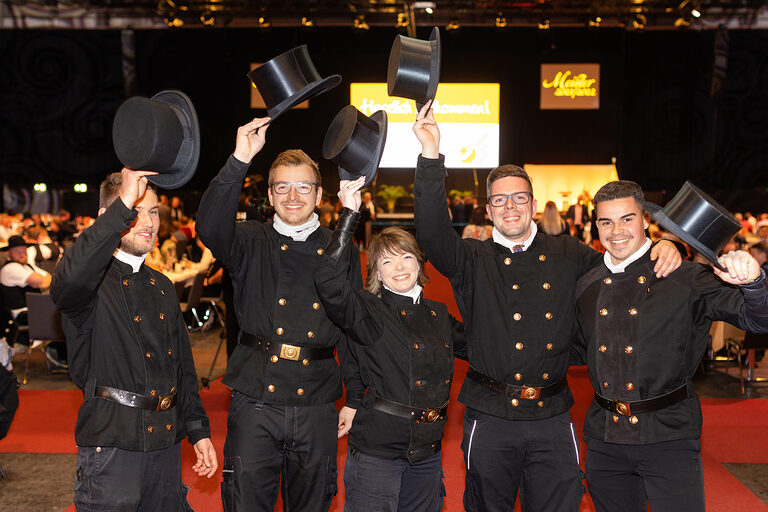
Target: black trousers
[538,457]
[668,476]
[266,441]
[115,480]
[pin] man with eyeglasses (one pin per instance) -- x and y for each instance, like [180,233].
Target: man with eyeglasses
[516,297]
[283,373]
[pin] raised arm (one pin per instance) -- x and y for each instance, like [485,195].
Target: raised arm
[751,314]
[217,214]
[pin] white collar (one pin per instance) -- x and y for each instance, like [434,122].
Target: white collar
[299,233]
[414,293]
[134,261]
[509,244]
[618,268]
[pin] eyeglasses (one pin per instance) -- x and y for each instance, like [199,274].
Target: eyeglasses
[302,187]
[498,200]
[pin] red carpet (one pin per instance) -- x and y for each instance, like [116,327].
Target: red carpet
[734,431]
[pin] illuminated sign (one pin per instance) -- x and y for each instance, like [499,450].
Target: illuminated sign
[468,115]
[258,102]
[570,86]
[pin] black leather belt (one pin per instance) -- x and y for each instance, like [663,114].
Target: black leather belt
[285,351]
[408,412]
[515,391]
[129,399]
[641,406]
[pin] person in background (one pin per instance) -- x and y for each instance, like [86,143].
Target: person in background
[478,227]
[577,217]
[551,222]
[370,206]
[177,209]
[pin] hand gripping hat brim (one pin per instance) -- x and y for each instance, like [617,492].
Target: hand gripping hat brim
[160,134]
[697,220]
[353,147]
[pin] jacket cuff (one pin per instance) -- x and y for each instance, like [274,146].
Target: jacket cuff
[342,234]
[355,399]
[432,167]
[756,288]
[348,220]
[197,430]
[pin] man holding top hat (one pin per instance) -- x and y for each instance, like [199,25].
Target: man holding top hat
[643,339]
[515,294]
[127,342]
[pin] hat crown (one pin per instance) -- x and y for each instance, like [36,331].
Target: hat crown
[147,134]
[284,75]
[355,142]
[414,67]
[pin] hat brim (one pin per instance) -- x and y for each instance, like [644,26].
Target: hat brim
[434,69]
[657,213]
[310,90]
[9,247]
[380,117]
[186,162]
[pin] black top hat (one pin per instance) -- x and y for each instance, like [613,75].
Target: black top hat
[698,220]
[289,79]
[161,134]
[414,68]
[356,142]
[15,241]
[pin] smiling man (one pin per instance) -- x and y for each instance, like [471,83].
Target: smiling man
[129,352]
[643,338]
[283,372]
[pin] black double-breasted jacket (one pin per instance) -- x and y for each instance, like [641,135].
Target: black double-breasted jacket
[518,309]
[125,330]
[643,337]
[275,299]
[405,352]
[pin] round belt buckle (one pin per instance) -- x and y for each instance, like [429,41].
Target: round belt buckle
[165,403]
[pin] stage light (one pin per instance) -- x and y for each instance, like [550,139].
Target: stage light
[360,24]
[40,187]
[544,23]
[429,10]
[402,20]
[594,21]
[307,22]
[264,22]
[453,24]
[207,19]
[695,13]
[80,187]
[501,21]
[639,22]
[173,21]
[429,7]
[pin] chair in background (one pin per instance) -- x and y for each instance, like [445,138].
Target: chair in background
[44,324]
[751,342]
[193,302]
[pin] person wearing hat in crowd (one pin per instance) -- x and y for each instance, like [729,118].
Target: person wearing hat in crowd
[405,345]
[284,375]
[515,294]
[127,342]
[19,275]
[643,339]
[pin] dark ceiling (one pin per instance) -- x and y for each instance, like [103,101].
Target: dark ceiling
[448,14]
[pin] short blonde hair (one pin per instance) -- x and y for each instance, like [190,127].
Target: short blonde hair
[294,158]
[392,241]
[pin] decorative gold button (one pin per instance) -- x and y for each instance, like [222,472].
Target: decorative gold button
[546,286]
[515,401]
[411,452]
[311,334]
[284,247]
[126,282]
[515,286]
[170,352]
[419,383]
[545,376]
[641,279]
[98,449]
[605,384]
[433,313]
[615,418]
[519,346]
[402,312]
[150,429]
[507,261]
[137,319]
[447,345]
[542,257]
[517,316]
[304,362]
[173,390]
[271,388]
[274,358]
[281,301]
[315,306]
[603,312]
[168,427]
[447,382]
[633,311]
[152,281]
[148,355]
[162,292]
[607,280]
[300,391]
[628,349]
[162,316]
[279,331]
[550,346]
[320,252]
[416,346]
[630,386]
[602,348]
[518,376]
[548,316]
[153,392]
[540,404]
[633,420]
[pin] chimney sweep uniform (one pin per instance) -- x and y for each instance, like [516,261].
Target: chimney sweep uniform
[519,313]
[405,351]
[129,352]
[284,374]
[643,339]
